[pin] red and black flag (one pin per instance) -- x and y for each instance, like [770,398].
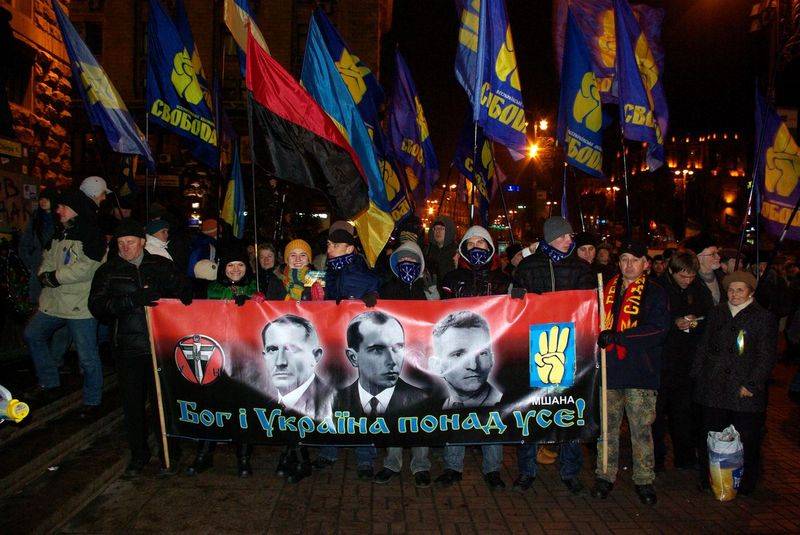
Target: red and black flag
[295,140]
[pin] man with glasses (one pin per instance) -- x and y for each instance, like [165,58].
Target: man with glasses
[707,251]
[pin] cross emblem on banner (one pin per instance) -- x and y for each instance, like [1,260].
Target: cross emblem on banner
[198,355]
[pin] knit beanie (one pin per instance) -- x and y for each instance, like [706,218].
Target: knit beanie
[297,244]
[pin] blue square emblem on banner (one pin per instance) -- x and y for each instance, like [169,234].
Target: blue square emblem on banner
[552,355]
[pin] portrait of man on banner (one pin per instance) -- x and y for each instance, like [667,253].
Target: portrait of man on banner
[463,358]
[292,351]
[376,347]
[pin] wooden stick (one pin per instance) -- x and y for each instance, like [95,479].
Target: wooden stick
[159,400]
[603,379]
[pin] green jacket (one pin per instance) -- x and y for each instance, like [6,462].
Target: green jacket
[217,290]
[74,272]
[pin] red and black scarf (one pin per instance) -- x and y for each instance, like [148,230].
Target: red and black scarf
[624,315]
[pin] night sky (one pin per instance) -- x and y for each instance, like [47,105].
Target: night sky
[711,63]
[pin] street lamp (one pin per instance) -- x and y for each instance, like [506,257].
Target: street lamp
[533,150]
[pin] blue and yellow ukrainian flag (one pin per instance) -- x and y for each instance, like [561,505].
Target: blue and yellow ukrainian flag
[323,81]
[233,208]
[238,18]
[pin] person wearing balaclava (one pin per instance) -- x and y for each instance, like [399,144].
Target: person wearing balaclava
[476,279]
[554,266]
[408,266]
[476,250]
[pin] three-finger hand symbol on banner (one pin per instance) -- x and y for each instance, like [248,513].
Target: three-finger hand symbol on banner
[553,354]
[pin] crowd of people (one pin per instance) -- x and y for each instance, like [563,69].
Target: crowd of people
[690,335]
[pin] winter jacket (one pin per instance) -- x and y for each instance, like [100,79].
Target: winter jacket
[539,274]
[74,257]
[270,284]
[218,290]
[641,367]
[155,246]
[112,288]
[735,352]
[680,346]
[353,281]
[475,281]
[395,288]
[439,259]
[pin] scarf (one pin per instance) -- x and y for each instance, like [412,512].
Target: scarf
[338,263]
[554,254]
[627,313]
[293,281]
[735,309]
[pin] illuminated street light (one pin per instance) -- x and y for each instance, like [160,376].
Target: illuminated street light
[543,124]
[533,150]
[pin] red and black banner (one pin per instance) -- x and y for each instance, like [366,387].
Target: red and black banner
[472,370]
[295,140]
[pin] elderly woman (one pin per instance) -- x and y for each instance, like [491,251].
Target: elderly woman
[268,280]
[732,365]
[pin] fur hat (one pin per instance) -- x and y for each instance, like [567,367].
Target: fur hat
[205,270]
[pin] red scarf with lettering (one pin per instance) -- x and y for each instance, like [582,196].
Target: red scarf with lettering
[628,315]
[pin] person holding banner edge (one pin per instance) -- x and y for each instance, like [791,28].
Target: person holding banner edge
[348,277]
[121,288]
[477,250]
[553,267]
[636,321]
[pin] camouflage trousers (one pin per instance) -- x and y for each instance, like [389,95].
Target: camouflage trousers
[640,407]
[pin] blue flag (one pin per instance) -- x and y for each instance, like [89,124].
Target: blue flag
[103,104]
[639,81]
[481,176]
[580,115]
[177,98]
[777,171]
[487,69]
[322,80]
[408,133]
[233,209]
[368,96]
[202,151]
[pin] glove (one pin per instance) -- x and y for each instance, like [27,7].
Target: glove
[145,297]
[258,297]
[607,338]
[370,299]
[186,298]
[240,299]
[317,292]
[48,279]
[518,293]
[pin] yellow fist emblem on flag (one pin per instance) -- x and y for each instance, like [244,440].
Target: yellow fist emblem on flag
[184,78]
[390,180]
[411,178]
[607,39]
[551,359]
[648,69]
[506,64]
[586,107]
[353,75]
[422,125]
[783,164]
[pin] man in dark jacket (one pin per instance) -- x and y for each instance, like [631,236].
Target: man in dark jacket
[636,321]
[348,277]
[689,303]
[477,250]
[441,249]
[121,288]
[553,267]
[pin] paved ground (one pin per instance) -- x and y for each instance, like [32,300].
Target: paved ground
[334,501]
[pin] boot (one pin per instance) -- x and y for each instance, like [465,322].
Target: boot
[284,461]
[243,452]
[301,468]
[204,459]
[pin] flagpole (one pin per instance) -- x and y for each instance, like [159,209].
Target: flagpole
[253,173]
[625,186]
[474,167]
[502,198]
[146,167]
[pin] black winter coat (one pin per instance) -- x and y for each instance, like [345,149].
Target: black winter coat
[110,297]
[270,285]
[679,347]
[539,274]
[399,290]
[465,282]
[720,370]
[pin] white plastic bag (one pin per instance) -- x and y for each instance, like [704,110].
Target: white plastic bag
[725,462]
